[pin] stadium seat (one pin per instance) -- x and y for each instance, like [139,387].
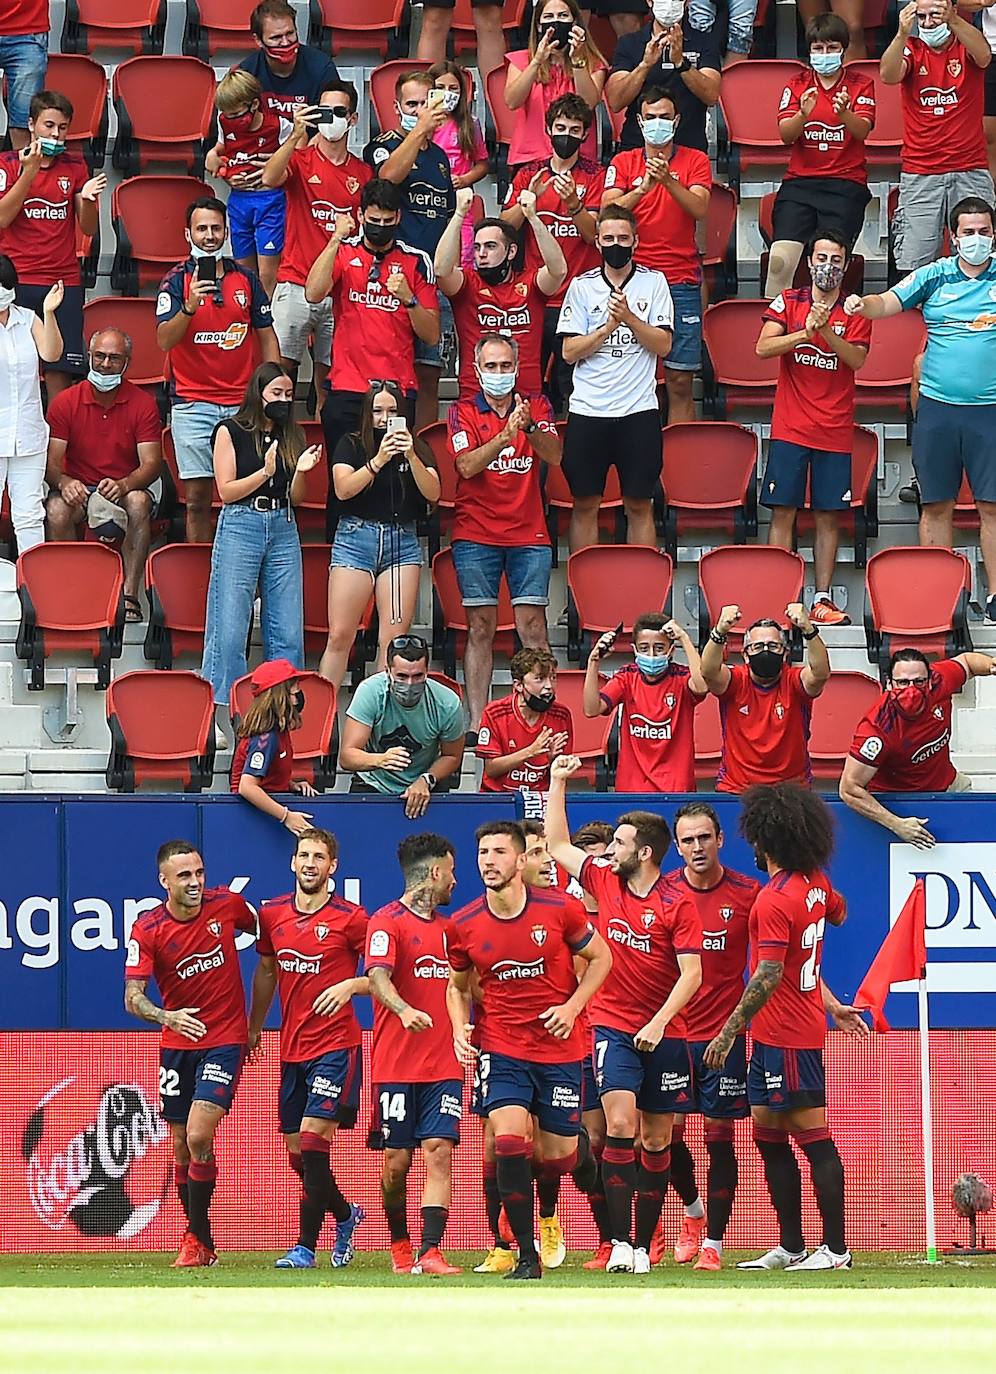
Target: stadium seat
[747,123]
[72,601]
[708,731]
[367,25]
[84,83]
[215,26]
[884,381]
[836,712]
[449,682]
[465,35]
[440,522]
[710,481]
[760,579]
[559,503]
[162,728]
[612,583]
[315,560]
[966,512]
[883,146]
[591,735]
[169,460]
[136,315]
[854,273]
[719,261]
[149,214]
[316,742]
[165,109]
[88,252]
[916,598]
[499,135]
[449,619]
[176,581]
[137,26]
[861,516]
[310,512]
[381,87]
[732,373]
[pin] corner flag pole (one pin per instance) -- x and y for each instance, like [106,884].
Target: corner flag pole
[926,1117]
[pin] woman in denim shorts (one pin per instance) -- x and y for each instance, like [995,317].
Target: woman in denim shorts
[384,480]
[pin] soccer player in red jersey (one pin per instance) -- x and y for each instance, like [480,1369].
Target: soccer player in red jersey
[785,1003]
[310,944]
[659,697]
[641,1059]
[187,944]
[903,744]
[417,1082]
[765,704]
[522,734]
[723,899]
[523,944]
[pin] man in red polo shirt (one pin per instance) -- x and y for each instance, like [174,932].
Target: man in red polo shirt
[494,297]
[668,189]
[765,703]
[523,733]
[499,528]
[105,438]
[903,744]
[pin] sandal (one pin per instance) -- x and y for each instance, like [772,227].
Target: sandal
[133,610]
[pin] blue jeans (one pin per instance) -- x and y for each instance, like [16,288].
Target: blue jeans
[23,60]
[252,547]
[740,34]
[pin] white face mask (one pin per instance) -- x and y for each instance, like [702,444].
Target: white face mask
[198,253]
[450,100]
[336,130]
[668,12]
[6,297]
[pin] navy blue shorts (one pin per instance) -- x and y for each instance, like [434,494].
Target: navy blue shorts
[949,439]
[788,467]
[661,1079]
[550,1092]
[786,1080]
[720,1093]
[589,1086]
[327,1087]
[187,1076]
[408,1113]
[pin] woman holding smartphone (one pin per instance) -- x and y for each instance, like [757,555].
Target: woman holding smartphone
[562,59]
[384,480]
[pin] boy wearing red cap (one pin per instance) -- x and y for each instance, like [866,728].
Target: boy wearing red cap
[264,751]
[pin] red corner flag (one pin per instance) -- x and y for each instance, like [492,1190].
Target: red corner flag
[902,956]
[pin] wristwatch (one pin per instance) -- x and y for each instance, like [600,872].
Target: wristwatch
[528,429]
[812,634]
[683,66]
[430,781]
[410,305]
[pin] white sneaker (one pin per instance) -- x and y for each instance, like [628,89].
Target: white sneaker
[621,1259]
[641,1261]
[823,1258]
[778,1258]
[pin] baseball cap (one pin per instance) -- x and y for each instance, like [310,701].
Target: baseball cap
[269,674]
[105,518]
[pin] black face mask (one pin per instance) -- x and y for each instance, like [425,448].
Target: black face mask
[494,276]
[299,700]
[379,235]
[561,30]
[277,411]
[565,145]
[537,703]
[766,665]
[617,255]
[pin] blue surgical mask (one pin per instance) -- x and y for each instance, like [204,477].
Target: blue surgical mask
[407,122]
[498,383]
[51,147]
[937,37]
[652,665]
[826,63]
[657,131]
[103,381]
[975,248]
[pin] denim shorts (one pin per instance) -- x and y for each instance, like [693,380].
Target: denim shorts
[433,355]
[192,424]
[479,568]
[686,341]
[373,547]
[23,60]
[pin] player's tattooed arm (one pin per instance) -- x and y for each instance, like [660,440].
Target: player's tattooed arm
[184,1020]
[388,995]
[763,982]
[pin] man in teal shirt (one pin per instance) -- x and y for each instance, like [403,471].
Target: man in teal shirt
[404,733]
[955,427]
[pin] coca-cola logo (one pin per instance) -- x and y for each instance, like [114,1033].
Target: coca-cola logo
[83,1180]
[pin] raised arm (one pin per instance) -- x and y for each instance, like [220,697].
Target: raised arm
[558,834]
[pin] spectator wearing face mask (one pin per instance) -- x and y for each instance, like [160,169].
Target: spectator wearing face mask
[105,440]
[523,733]
[263,762]
[498,439]
[820,348]
[903,743]
[955,427]
[658,699]
[290,73]
[668,189]
[404,732]
[765,703]
[824,115]
[461,140]
[944,147]
[668,52]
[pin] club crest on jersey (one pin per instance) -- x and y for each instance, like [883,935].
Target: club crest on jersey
[648,919]
[241,299]
[321,932]
[670,702]
[779,710]
[643,306]
[726,912]
[214,927]
[521,289]
[64,185]
[352,185]
[538,935]
[954,67]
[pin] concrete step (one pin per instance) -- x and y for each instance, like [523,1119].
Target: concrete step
[974,730]
[974,763]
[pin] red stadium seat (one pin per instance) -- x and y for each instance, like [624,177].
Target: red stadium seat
[504,121]
[176,581]
[381,84]
[449,682]
[162,727]
[560,502]
[591,735]
[88,252]
[732,372]
[861,517]
[310,511]
[884,381]
[169,458]
[368,25]
[165,108]
[138,26]
[215,26]
[710,481]
[966,512]
[72,601]
[719,260]
[916,598]
[758,578]
[464,33]
[609,583]
[84,83]
[136,315]
[449,619]
[708,739]
[315,559]
[883,145]
[316,742]
[149,214]
[836,712]
[440,522]
[747,128]
[854,272]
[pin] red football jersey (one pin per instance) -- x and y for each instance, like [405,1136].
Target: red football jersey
[516,308]
[503,504]
[41,239]
[589,178]
[374,334]
[247,149]
[656,738]
[525,964]
[787,923]
[912,754]
[314,950]
[943,101]
[723,911]
[667,232]
[268,758]
[646,935]
[765,730]
[217,355]
[413,951]
[504,731]
[24,16]
[317,190]
[195,964]
[825,148]
[814,399]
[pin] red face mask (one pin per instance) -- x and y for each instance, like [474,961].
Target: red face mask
[911,700]
[284,55]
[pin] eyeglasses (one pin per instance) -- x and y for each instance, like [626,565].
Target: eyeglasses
[107,358]
[769,645]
